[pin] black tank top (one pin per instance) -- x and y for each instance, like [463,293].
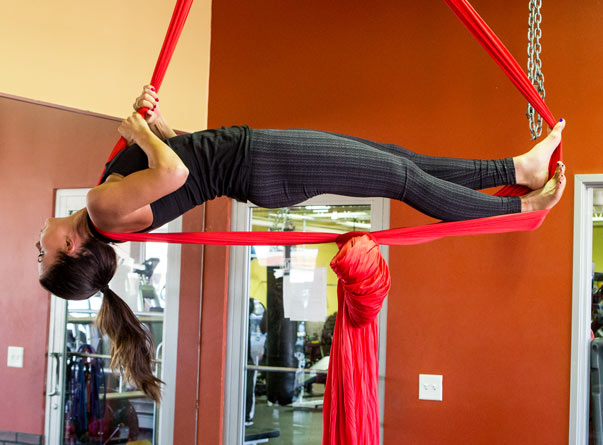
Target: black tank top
[218,162]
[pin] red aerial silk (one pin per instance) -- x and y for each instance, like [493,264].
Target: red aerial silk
[501,55]
[351,401]
[393,237]
[351,413]
[172,35]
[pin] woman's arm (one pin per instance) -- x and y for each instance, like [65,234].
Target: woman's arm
[122,204]
[161,129]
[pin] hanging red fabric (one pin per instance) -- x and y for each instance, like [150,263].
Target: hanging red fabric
[501,55]
[172,35]
[351,401]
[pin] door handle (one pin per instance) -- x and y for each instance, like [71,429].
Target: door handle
[57,356]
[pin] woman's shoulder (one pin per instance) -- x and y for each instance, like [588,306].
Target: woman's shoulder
[102,209]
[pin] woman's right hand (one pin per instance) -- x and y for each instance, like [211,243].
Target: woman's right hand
[149,99]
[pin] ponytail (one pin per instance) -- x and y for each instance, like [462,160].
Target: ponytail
[132,349]
[79,276]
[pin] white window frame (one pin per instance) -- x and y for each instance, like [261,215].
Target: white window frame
[234,384]
[581,306]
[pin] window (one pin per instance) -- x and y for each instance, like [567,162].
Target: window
[282,311]
[97,405]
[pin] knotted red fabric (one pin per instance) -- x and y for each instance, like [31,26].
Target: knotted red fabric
[351,401]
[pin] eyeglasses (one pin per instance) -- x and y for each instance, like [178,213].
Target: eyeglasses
[41,254]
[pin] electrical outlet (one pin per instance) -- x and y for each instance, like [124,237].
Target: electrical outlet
[430,387]
[15,357]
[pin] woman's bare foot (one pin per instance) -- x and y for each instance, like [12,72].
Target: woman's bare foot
[532,168]
[547,196]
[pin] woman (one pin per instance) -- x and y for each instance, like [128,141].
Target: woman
[160,176]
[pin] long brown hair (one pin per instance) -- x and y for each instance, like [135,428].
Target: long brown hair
[79,276]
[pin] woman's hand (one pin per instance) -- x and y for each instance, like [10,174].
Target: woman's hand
[134,129]
[149,99]
[157,123]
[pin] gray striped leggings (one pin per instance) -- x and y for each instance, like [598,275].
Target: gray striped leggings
[290,166]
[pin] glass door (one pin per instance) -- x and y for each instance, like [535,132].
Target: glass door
[596,362]
[587,350]
[87,402]
[289,306]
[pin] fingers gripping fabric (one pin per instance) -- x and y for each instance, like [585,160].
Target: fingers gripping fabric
[351,401]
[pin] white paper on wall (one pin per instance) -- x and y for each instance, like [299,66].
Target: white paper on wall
[305,294]
[269,257]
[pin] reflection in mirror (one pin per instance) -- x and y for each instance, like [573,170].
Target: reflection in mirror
[292,311]
[100,406]
[596,372]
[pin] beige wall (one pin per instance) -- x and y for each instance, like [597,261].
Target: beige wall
[96,55]
[93,56]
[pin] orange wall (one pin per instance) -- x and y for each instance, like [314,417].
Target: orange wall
[490,313]
[213,327]
[189,327]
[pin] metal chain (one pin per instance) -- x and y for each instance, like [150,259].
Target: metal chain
[535,65]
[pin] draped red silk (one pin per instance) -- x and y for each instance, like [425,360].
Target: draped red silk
[501,55]
[351,408]
[172,35]
[393,237]
[351,401]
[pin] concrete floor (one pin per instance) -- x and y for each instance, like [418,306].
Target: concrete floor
[297,426]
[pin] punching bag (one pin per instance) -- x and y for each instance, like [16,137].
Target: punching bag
[280,343]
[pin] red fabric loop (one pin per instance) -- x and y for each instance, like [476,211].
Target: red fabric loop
[501,55]
[393,237]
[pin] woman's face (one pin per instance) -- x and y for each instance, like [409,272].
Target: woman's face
[53,238]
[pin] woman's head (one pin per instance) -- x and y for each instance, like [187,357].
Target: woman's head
[81,273]
[76,266]
[60,235]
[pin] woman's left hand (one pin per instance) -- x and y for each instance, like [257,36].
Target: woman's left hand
[149,99]
[133,128]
